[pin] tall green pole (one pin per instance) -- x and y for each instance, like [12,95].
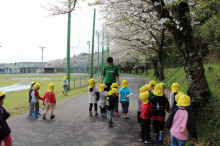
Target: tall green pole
[107,46]
[93,34]
[68,46]
[103,43]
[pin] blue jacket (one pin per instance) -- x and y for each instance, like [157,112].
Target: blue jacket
[4,128]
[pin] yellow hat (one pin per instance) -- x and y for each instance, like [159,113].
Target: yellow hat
[124,84]
[2,93]
[144,89]
[65,77]
[175,87]
[113,91]
[162,83]
[144,97]
[177,96]
[36,86]
[114,85]
[184,100]
[158,90]
[152,83]
[33,83]
[50,87]
[149,88]
[91,83]
[102,87]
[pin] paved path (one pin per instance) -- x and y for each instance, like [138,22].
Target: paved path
[73,126]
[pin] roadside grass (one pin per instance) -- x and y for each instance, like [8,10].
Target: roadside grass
[208,117]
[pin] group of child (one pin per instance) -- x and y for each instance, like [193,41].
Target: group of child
[108,100]
[48,99]
[152,104]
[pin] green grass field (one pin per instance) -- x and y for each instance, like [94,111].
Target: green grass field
[17,102]
[208,118]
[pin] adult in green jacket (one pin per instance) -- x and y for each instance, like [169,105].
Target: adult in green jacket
[110,74]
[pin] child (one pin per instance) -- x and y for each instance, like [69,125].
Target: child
[115,85]
[5,131]
[175,88]
[180,122]
[31,89]
[34,104]
[109,103]
[124,95]
[151,89]
[65,85]
[163,88]
[103,94]
[50,99]
[142,89]
[158,104]
[145,118]
[92,97]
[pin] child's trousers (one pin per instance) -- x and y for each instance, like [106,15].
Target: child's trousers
[125,105]
[34,107]
[6,141]
[116,106]
[109,115]
[177,142]
[145,129]
[158,126]
[91,105]
[103,110]
[47,107]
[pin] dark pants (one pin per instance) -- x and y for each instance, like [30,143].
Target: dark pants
[108,86]
[125,105]
[158,126]
[138,117]
[145,129]
[116,107]
[103,110]
[91,105]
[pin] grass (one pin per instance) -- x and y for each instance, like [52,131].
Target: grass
[17,102]
[208,118]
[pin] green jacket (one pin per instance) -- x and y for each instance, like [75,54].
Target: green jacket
[110,73]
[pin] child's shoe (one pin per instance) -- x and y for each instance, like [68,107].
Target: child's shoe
[156,137]
[141,140]
[90,113]
[161,137]
[104,114]
[44,117]
[118,114]
[147,141]
[52,116]
[36,115]
[96,114]
[115,114]
[31,114]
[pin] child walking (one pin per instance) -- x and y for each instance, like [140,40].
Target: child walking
[31,89]
[158,104]
[102,97]
[124,94]
[175,88]
[116,113]
[152,85]
[92,97]
[5,131]
[109,103]
[49,98]
[180,122]
[34,104]
[65,85]
[145,118]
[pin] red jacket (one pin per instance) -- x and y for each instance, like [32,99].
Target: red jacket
[49,97]
[145,111]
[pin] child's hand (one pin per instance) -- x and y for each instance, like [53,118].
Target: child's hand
[126,97]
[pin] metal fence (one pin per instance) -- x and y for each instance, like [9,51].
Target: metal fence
[79,82]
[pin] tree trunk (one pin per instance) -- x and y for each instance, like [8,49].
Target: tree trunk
[198,88]
[156,73]
[136,70]
[160,57]
[142,69]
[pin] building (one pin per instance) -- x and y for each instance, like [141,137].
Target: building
[23,67]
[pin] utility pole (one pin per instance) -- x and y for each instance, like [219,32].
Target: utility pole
[89,61]
[103,43]
[107,46]
[68,45]
[93,33]
[97,33]
[42,55]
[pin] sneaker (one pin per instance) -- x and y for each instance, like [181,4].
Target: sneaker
[141,140]
[96,114]
[115,114]
[147,141]
[90,113]
[118,114]
[52,117]
[31,114]
[44,117]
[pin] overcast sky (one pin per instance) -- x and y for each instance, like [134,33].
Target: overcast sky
[25,25]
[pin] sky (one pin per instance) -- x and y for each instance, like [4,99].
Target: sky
[25,26]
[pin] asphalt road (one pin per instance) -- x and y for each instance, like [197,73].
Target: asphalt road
[73,126]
